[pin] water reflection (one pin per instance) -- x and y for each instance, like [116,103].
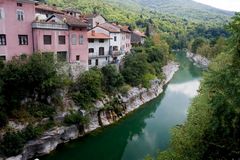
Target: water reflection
[143,132]
[189,89]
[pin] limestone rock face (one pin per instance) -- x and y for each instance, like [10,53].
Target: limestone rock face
[98,117]
[198,60]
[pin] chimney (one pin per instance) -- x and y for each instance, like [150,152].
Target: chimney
[93,33]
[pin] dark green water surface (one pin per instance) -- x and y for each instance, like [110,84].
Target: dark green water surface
[143,132]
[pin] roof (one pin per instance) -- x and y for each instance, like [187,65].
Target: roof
[75,10]
[109,27]
[124,28]
[45,7]
[26,1]
[97,35]
[137,32]
[71,21]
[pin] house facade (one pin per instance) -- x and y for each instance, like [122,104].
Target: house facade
[94,20]
[114,32]
[16,17]
[137,38]
[63,36]
[98,49]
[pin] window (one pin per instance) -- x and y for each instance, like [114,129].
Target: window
[101,40]
[89,62]
[90,40]
[47,39]
[20,15]
[77,58]
[115,38]
[3,40]
[61,40]
[23,39]
[91,50]
[62,56]
[96,62]
[19,4]
[101,51]
[2,58]
[1,13]
[81,39]
[74,39]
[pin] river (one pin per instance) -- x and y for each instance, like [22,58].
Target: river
[143,132]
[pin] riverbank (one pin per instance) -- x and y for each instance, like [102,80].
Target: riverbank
[135,98]
[198,60]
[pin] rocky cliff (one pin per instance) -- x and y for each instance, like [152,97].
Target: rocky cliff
[98,118]
[199,60]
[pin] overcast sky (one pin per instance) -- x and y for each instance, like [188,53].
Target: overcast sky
[230,5]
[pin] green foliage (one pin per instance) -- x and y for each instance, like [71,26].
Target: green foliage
[3,119]
[75,118]
[30,80]
[124,89]
[112,79]
[212,129]
[135,67]
[32,132]
[12,143]
[146,80]
[87,88]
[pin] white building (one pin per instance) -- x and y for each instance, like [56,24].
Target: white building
[98,48]
[120,42]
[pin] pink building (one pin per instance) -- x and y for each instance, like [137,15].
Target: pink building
[16,17]
[62,35]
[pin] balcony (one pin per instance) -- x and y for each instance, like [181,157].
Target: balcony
[117,53]
[96,55]
[44,25]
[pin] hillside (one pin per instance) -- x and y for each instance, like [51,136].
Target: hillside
[187,9]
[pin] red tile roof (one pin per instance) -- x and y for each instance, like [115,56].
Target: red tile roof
[97,35]
[137,32]
[48,8]
[71,21]
[109,27]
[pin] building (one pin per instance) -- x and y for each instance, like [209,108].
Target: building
[63,36]
[117,51]
[125,39]
[73,12]
[98,49]
[16,17]
[44,11]
[94,20]
[137,38]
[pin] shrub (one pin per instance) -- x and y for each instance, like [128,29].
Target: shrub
[87,88]
[146,80]
[112,79]
[12,144]
[3,119]
[32,132]
[75,118]
[124,89]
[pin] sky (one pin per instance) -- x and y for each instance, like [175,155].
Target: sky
[230,5]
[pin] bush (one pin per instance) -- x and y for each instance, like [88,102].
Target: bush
[32,132]
[112,79]
[40,110]
[146,80]
[88,88]
[75,118]
[124,89]
[3,119]
[12,144]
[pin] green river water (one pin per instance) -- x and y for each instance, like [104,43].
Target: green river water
[144,132]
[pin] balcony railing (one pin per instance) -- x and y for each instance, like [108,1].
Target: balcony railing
[42,25]
[97,55]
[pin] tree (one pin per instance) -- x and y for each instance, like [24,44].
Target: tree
[112,79]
